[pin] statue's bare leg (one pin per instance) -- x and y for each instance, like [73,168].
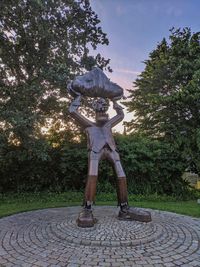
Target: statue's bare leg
[86,218]
[126,212]
[122,192]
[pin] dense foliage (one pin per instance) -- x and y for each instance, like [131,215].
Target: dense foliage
[43,44]
[151,167]
[166,97]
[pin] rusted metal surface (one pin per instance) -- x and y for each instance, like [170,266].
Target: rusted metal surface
[95,84]
[100,142]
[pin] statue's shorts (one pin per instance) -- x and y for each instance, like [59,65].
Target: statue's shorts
[105,153]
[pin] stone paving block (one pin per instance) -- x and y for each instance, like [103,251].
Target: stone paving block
[41,263]
[51,238]
[169,264]
[26,265]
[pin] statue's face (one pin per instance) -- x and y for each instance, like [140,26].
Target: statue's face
[101,118]
[101,106]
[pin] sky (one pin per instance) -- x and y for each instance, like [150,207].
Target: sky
[134,28]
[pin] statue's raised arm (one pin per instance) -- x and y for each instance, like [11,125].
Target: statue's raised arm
[118,118]
[80,119]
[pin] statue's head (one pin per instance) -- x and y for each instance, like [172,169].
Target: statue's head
[100,106]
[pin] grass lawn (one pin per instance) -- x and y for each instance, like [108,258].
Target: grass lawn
[11,204]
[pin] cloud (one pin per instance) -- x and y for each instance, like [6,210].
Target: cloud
[123,77]
[134,72]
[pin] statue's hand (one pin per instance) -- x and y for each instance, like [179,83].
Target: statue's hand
[116,106]
[75,104]
[71,91]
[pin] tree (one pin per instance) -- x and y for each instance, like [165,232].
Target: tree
[43,44]
[166,100]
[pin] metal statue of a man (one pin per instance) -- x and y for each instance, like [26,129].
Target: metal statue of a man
[101,145]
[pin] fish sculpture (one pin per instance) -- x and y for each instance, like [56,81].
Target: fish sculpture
[95,84]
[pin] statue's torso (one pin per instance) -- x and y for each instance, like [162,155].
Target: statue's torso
[98,137]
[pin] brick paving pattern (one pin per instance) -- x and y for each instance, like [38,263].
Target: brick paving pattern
[51,238]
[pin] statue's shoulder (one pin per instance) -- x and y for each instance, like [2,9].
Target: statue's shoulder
[91,128]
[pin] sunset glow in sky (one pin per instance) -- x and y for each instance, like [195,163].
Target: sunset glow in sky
[134,27]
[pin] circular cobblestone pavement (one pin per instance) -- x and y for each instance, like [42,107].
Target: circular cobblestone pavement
[51,237]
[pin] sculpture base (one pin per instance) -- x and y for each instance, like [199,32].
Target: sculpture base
[52,238]
[86,219]
[134,214]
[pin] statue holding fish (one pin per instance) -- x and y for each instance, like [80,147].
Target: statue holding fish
[100,142]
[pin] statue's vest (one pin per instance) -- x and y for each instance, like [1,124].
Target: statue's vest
[98,137]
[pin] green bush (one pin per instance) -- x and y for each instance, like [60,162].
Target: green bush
[151,166]
[59,169]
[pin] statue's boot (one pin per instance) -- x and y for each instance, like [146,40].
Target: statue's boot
[86,218]
[126,212]
[134,214]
